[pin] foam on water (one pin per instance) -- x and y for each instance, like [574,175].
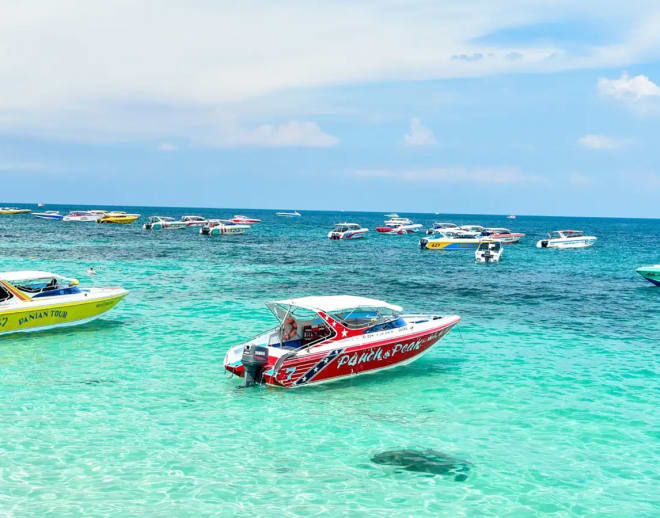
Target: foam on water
[548,388]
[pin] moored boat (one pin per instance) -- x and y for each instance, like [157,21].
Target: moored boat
[10,211]
[504,235]
[347,231]
[447,241]
[49,214]
[36,300]
[650,273]
[440,226]
[238,218]
[194,221]
[397,225]
[163,223]
[223,227]
[293,214]
[489,251]
[563,239]
[323,339]
[84,216]
[118,217]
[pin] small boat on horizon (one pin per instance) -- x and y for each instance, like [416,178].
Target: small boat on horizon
[347,231]
[651,273]
[511,216]
[163,223]
[49,214]
[563,239]
[36,300]
[293,214]
[329,338]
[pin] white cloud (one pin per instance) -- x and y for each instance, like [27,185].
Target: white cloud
[289,134]
[83,59]
[579,179]
[419,135]
[628,88]
[601,142]
[483,175]
[167,147]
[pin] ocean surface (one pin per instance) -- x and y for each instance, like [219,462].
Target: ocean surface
[549,389]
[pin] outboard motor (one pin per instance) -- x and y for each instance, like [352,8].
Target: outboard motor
[423,243]
[255,357]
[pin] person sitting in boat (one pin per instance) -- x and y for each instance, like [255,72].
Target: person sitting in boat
[290,329]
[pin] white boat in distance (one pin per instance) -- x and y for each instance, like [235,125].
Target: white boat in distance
[347,231]
[293,214]
[84,215]
[49,214]
[567,239]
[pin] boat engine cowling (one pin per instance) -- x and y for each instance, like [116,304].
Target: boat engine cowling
[254,359]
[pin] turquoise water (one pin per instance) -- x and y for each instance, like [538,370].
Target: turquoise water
[549,387]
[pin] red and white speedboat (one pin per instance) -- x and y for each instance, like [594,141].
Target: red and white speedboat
[398,225]
[503,235]
[244,219]
[194,221]
[347,231]
[323,339]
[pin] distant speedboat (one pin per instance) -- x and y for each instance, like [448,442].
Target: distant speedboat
[650,273]
[118,217]
[511,216]
[504,235]
[439,226]
[563,239]
[397,225]
[40,204]
[223,227]
[323,339]
[49,214]
[13,210]
[34,301]
[244,219]
[488,252]
[84,215]
[293,214]
[347,231]
[194,221]
[163,223]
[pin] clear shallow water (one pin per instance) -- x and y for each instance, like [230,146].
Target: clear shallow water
[550,389]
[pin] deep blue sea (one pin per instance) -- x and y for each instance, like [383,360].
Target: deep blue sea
[548,390]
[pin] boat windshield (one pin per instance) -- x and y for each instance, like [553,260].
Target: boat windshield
[361,317]
[562,234]
[47,286]
[5,295]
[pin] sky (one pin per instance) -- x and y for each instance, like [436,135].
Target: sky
[516,106]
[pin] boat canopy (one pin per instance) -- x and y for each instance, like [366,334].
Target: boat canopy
[30,275]
[332,303]
[347,226]
[568,233]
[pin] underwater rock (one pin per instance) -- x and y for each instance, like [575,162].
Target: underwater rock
[425,461]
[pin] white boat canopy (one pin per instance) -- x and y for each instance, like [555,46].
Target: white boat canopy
[28,274]
[333,303]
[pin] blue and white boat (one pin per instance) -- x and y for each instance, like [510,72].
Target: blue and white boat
[563,239]
[49,214]
[650,273]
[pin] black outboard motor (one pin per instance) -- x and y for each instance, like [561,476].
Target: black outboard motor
[255,357]
[423,243]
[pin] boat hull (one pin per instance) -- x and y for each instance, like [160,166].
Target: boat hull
[11,212]
[346,362]
[42,315]
[351,234]
[564,244]
[48,216]
[449,244]
[650,273]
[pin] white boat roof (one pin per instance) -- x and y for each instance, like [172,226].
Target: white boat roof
[333,303]
[27,274]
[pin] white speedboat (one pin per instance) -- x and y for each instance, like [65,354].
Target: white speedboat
[397,225]
[239,218]
[293,214]
[49,214]
[223,227]
[440,226]
[163,223]
[476,229]
[511,216]
[504,235]
[489,252]
[323,339]
[567,239]
[194,221]
[34,301]
[84,215]
[347,231]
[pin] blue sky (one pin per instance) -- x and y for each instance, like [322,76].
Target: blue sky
[539,107]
